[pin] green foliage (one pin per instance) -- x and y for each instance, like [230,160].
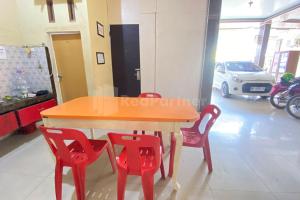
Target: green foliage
[287,77]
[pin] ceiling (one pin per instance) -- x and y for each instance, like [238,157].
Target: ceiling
[260,9]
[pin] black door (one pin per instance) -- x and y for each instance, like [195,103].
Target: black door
[125,50]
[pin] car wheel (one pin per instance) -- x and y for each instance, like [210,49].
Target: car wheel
[225,90]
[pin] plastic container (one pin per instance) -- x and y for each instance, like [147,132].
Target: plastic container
[21,86]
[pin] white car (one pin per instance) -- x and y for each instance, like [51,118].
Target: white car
[242,78]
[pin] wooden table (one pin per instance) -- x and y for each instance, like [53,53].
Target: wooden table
[150,114]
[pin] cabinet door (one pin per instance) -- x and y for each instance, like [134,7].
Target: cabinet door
[8,123]
[32,114]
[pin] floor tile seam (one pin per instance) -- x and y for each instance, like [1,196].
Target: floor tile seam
[35,188]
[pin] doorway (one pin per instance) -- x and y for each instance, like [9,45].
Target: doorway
[125,50]
[70,65]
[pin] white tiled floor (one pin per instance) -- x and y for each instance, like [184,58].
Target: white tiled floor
[255,152]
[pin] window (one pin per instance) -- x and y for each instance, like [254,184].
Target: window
[71,8]
[242,67]
[51,16]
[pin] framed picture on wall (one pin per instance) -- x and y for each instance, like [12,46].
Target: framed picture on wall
[100,29]
[100,58]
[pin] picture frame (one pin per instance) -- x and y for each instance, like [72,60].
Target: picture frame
[100,29]
[100,58]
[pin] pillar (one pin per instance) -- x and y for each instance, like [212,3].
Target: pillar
[263,38]
[212,32]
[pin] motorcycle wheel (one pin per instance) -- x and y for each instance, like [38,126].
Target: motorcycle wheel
[274,99]
[293,106]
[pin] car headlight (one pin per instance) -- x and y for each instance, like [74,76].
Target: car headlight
[236,79]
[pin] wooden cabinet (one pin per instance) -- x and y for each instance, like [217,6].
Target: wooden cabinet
[284,61]
[8,123]
[32,114]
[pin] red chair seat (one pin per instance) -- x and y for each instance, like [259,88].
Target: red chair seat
[97,145]
[77,152]
[191,139]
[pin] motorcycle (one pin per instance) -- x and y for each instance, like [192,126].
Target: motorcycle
[293,104]
[281,93]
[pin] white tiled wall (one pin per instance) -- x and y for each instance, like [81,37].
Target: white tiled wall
[37,79]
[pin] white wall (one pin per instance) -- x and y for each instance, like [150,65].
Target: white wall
[180,42]
[171,42]
[124,11]
[148,51]
[9,26]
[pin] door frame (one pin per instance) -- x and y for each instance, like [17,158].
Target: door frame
[54,64]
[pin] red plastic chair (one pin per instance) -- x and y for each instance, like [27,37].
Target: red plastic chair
[156,133]
[78,154]
[141,156]
[195,137]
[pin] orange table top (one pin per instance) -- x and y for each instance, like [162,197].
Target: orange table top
[124,108]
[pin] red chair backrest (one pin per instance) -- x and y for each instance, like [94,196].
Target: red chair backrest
[57,138]
[133,144]
[207,118]
[150,95]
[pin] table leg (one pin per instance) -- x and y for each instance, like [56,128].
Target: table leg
[179,140]
[92,133]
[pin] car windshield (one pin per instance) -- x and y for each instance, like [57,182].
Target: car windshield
[242,67]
